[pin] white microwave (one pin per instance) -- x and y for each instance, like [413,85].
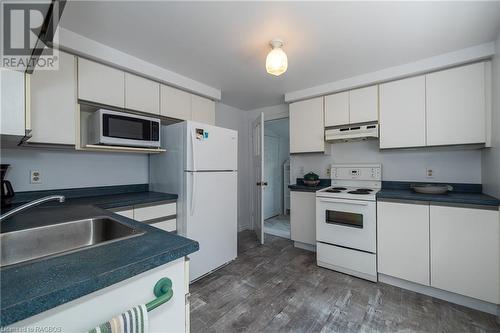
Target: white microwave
[114,128]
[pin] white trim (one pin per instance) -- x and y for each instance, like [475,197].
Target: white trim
[471,54]
[82,46]
[305,246]
[469,302]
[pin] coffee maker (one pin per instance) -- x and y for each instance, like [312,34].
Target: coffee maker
[7,191]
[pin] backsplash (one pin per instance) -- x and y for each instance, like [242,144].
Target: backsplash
[71,169]
[447,165]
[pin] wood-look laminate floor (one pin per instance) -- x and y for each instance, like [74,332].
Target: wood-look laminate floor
[279,288]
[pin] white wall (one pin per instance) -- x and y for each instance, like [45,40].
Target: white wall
[460,166]
[491,156]
[70,169]
[236,119]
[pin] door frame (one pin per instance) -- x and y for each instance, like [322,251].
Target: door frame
[258,176]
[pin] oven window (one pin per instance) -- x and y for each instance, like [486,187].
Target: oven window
[343,218]
[126,127]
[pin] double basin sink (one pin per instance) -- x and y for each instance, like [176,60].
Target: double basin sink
[38,243]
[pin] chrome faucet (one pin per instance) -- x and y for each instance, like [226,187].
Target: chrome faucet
[60,198]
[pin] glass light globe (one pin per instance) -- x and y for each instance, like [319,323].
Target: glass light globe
[276,60]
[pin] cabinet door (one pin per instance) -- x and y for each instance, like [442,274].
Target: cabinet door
[402,113]
[175,103]
[12,108]
[363,105]
[101,84]
[456,108]
[142,94]
[403,241]
[303,217]
[337,109]
[53,98]
[465,251]
[202,110]
[307,130]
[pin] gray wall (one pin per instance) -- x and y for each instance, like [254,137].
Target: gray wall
[491,156]
[70,169]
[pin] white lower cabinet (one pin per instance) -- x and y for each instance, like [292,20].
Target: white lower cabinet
[465,251]
[89,311]
[403,241]
[455,249]
[303,217]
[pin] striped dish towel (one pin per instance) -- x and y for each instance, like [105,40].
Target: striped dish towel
[134,320]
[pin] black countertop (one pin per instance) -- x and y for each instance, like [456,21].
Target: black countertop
[301,187]
[462,194]
[33,287]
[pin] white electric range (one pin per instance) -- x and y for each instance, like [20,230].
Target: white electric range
[346,220]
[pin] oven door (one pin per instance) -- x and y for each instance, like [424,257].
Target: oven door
[119,129]
[347,223]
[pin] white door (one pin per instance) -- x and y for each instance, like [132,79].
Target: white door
[456,106]
[258,167]
[211,148]
[211,219]
[363,105]
[337,109]
[273,176]
[402,113]
[403,241]
[307,130]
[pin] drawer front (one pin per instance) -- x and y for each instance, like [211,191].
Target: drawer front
[153,212]
[167,225]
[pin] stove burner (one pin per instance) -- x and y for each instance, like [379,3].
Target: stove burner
[339,188]
[364,189]
[332,190]
[358,192]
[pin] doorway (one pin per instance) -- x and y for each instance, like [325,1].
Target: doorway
[276,194]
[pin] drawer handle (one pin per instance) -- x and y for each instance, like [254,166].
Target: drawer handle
[163,292]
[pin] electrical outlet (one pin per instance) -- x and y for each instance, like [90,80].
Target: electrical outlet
[429,173]
[35,177]
[328,171]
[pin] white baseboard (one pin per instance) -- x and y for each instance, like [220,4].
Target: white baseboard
[305,246]
[469,302]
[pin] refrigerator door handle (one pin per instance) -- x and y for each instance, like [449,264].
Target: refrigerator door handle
[193,157]
[193,192]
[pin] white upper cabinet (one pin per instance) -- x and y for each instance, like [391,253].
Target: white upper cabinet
[363,105]
[202,110]
[101,84]
[142,94]
[403,241]
[175,103]
[465,251]
[12,104]
[307,130]
[402,113]
[456,106]
[337,109]
[52,98]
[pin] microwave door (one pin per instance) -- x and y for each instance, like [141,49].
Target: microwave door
[129,131]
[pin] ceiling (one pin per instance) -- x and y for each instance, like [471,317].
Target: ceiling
[224,44]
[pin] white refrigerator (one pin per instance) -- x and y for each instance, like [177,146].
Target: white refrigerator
[200,165]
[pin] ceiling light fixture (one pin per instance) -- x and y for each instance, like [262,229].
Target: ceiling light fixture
[276,60]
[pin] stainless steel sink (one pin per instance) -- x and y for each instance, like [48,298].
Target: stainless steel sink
[56,239]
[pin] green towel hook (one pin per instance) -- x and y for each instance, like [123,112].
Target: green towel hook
[163,292]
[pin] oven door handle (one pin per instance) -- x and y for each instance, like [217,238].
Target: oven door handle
[349,202]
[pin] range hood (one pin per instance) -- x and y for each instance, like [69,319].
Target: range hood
[352,132]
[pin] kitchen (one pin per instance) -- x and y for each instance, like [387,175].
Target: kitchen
[150,156]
